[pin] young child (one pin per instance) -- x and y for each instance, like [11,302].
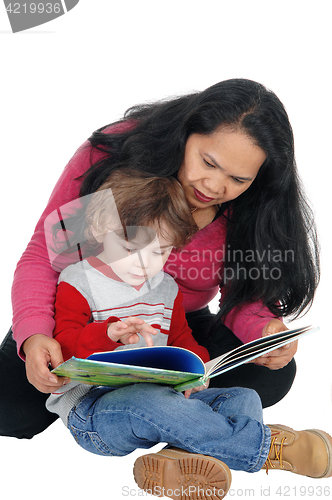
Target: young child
[122,299]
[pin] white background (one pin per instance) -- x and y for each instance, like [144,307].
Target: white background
[62,80]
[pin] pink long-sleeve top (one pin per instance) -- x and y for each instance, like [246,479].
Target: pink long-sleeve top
[196,268]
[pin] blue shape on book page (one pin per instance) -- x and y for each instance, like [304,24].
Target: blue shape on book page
[165,358]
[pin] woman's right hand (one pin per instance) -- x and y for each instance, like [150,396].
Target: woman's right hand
[42,351]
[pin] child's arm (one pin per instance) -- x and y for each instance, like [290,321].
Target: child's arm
[180,334]
[80,337]
[75,332]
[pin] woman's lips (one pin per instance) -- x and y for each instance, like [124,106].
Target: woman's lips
[201,197]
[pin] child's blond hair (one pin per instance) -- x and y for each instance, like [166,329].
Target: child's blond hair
[130,199]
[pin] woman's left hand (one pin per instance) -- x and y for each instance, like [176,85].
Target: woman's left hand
[279,357]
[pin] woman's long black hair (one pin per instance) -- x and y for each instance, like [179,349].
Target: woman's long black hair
[271,252]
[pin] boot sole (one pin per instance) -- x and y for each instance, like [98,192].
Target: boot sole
[194,477]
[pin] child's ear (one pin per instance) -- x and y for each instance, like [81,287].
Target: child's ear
[97,234]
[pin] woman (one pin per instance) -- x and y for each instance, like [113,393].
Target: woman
[231,147]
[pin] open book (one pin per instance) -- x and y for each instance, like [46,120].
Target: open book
[168,365]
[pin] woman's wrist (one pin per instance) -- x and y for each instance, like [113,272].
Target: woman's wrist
[33,341]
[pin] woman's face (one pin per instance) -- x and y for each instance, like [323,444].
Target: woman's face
[218,167]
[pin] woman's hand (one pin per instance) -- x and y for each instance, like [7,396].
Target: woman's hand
[196,389]
[279,357]
[42,351]
[127,331]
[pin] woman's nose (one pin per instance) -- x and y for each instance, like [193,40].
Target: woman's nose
[216,187]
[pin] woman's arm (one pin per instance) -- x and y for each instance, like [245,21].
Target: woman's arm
[247,321]
[33,291]
[34,285]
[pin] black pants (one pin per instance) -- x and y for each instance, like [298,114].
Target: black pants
[22,407]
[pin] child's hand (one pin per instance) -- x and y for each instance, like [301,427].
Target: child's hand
[196,389]
[127,331]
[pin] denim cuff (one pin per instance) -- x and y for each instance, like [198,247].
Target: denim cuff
[265,449]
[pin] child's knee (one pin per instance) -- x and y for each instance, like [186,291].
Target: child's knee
[253,396]
[239,401]
[143,393]
[249,402]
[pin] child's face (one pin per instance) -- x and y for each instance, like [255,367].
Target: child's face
[135,261]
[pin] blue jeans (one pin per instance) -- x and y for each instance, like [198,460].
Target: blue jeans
[223,423]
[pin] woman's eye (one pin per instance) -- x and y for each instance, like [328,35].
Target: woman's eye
[209,164]
[238,181]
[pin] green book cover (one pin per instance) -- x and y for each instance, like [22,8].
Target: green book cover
[168,365]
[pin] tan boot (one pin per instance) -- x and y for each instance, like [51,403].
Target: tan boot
[303,452]
[181,475]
